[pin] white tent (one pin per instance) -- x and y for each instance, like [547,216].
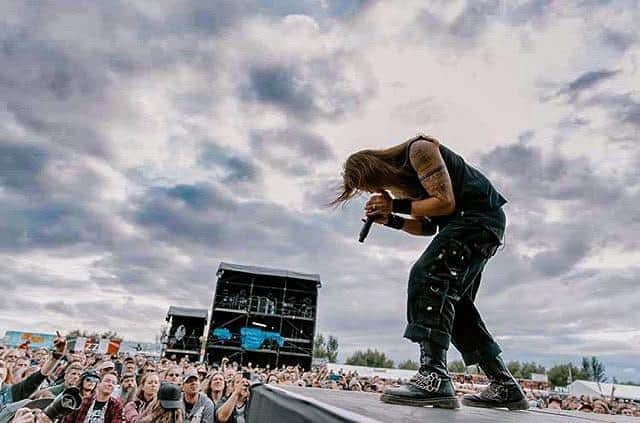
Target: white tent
[371,371]
[584,387]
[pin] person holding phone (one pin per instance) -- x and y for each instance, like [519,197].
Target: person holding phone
[234,410]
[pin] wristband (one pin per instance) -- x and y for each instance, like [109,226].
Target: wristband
[401,205]
[395,221]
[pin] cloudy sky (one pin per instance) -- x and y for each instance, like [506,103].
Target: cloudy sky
[141,144]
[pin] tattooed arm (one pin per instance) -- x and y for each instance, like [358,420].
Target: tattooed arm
[426,159]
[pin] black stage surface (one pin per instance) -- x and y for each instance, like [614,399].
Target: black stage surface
[365,407]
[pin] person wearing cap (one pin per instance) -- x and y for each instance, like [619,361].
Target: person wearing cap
[101,407]
[166,408]
[197,407]
[87,384]
[106,367]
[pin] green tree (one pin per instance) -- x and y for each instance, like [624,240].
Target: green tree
[408,365]
[531,367]
[593,369]
[326,348]
[523,370]
[514,367]
[457,366]
[370,358]
[564,374]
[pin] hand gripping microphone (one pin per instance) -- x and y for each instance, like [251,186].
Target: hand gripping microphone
[365,229]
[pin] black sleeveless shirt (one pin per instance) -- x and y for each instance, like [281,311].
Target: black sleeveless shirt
[472,190]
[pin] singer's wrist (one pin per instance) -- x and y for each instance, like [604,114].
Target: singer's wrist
[394,221]
[401,205]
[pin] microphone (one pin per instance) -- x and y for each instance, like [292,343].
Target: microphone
[365,229]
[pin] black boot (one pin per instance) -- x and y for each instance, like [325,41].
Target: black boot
[430,386]
[503,390]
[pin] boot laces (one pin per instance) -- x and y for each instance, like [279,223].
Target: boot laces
[495,392]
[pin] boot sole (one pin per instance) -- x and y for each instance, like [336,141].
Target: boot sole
[515,405]
[445,402]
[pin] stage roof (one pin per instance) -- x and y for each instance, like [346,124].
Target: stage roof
[187,312]
[270,272]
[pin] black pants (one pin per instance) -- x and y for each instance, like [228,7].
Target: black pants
[443,284]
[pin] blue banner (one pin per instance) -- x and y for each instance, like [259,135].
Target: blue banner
[33,340]
[222,334]
[252,339]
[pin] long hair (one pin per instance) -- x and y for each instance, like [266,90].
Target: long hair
[143,381]
[156,414]
[375,170]
[207,385]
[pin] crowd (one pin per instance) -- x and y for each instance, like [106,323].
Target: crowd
[139,389]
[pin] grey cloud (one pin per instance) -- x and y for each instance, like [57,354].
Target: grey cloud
[585,82]
[161,210]
[21,165]
[221,15]
[302,148]
[48,225]
[236,168]
[527,172]
[278,85]
[618,39]
[528,10]
[473,19]
[564,255]
[308,90]
[623,108]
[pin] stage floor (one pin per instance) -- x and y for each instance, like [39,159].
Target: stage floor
[371,409]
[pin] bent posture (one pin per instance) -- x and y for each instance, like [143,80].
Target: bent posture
[435,190]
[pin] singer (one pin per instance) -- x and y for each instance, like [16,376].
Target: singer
[420,187]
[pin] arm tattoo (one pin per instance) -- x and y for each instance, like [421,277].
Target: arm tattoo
[419,155]
[431,170]
[437,185]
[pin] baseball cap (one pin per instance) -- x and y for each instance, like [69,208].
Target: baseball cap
[106,365]
[90,374]
[170,396]
[189,374]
